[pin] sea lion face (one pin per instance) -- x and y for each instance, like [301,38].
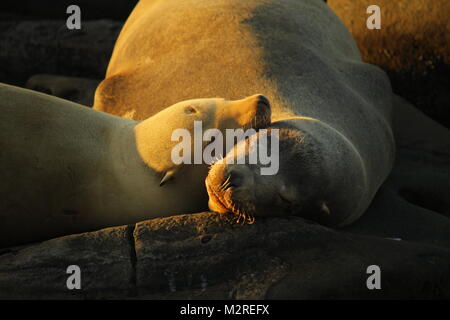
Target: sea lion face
[242,190]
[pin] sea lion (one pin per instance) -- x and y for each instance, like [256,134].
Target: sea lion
[333,110]
[69,169]
[333,127]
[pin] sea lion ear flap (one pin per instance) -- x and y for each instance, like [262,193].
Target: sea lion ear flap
[170,174]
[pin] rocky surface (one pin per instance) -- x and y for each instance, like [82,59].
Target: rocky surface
[80,90]
[39,271]
[33,47]
[204,256]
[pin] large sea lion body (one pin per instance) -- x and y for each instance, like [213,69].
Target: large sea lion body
[66,168]
[334,111]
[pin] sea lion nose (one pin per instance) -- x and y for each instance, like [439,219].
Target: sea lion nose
[263,110]
[263,102]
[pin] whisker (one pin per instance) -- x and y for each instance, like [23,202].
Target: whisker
[225,183]
[223,188]
[244,218]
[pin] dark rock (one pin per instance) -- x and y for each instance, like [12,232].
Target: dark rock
[39,271]
[279,258]
[32,47]
[275,258]
[50,9]
[79,90]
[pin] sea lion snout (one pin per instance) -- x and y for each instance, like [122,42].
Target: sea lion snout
[230,190]
[231,177]
[262,103]
[257,111]
[263,110]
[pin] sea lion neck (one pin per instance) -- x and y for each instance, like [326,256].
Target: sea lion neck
[128,167]
[153,143]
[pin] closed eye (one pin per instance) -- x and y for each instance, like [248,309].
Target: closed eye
[190,110]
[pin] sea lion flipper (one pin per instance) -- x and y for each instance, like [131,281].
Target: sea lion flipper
[168,176]
[325,208]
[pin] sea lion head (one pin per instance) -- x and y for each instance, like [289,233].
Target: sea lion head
[219,113]
[155,137]
[294,189]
